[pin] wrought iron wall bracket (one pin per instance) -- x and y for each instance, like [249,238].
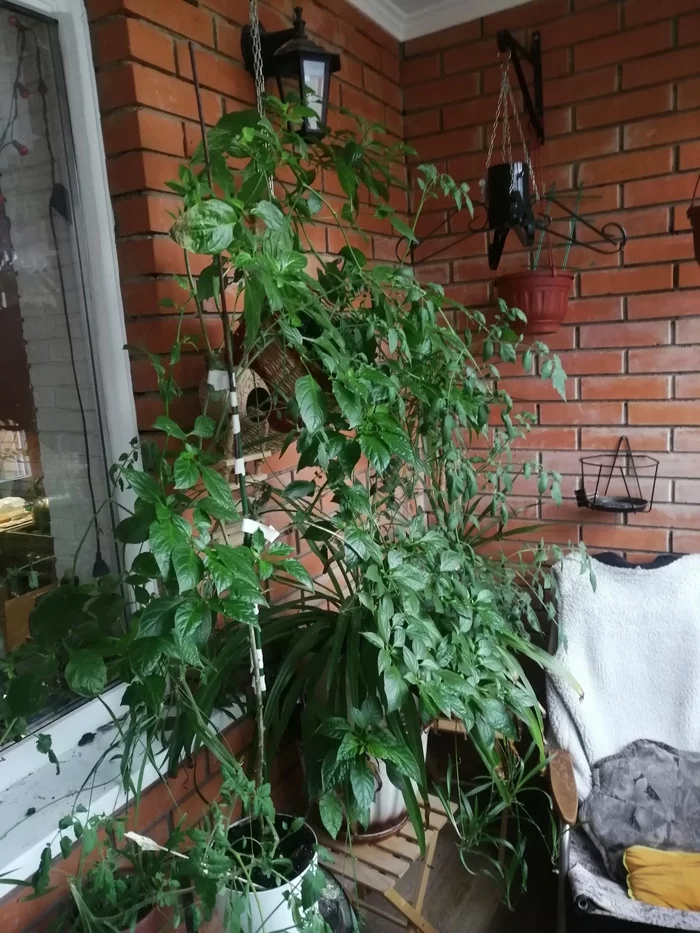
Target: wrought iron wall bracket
[533,56]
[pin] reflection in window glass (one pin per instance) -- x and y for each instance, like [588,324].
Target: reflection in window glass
[52,465]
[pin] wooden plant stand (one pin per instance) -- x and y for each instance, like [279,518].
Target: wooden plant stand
[365,869]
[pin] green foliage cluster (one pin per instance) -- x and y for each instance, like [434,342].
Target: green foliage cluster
[395,398]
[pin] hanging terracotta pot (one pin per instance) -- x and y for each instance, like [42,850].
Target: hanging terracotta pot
[694,218]
[543,296]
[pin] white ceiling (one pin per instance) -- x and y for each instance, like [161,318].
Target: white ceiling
[408,19]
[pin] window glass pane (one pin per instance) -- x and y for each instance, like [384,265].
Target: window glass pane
[52,462]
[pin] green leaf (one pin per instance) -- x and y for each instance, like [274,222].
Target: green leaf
[86,672]
[542,483]
[314,203]
[496,715]
[135,529]
[144,485]
[299,489]
[157,617]
[331,811]
[555,493]
[26,695]
[311,402]
[312,887]
[204,426]
[163,538]
[220,494]
[376,451]
[209,283]
[298,572]
[170,427]
[271,214]
[206,227]
[145,654]
[186,471]
[191,618]
[66,846]
[363,783]
[187,566]
[395,688]
[403,228]
[349,402]
[253,303]
[450,560]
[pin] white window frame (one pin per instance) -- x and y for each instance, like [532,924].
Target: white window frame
[27,780]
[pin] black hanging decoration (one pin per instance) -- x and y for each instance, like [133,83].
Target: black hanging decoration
[622,465]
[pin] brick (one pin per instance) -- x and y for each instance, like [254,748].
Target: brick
[624,281]
[239,10]
[689,156]
[144,214]
[176,15]
[677,187]
[689,30]
[624,387]
[671,413]
[659,249]
[417,70]
[445,90]
[158,334]
[675,128]
[582,87]
[131,83]
[579,27]
[575,147]
[391,64]
[686,542]
[594,309]
[136,171]
[625,536]
[422,123]
[687,439]
[470,113]
[361,105]
[638,222]
[689,94]
[660,68]
[623,107]
[626,166]
[476,55]
[217,73]
[642,439]
[122,38]
[674,304]
[579,362]
[688,275]
[382,88]
[581,413]
[353,41]
[634,43]
[688,331]
[680,218]
[455,35]
[663,360]
[688,386]
[142,296]
[142,129]
[444,144]
[228,40]
[529,389]
[638,12]
[548,438]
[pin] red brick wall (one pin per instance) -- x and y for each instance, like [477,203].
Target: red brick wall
[622,115]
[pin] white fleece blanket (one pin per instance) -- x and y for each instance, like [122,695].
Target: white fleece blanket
[633,645]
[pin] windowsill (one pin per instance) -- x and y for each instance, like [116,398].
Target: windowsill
[29,781]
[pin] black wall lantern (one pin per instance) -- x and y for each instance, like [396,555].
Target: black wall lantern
[302,69]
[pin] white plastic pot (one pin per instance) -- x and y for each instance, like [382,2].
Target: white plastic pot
[267,909]
[388,813]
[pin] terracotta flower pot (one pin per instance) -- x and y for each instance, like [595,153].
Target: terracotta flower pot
[542,296]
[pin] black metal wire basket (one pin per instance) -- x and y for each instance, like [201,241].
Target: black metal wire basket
[626,471]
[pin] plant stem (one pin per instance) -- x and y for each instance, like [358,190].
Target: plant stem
[198,305]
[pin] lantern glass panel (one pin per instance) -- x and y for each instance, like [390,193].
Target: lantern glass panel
[314,77]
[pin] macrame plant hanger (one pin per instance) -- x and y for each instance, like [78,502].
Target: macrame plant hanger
[505,188]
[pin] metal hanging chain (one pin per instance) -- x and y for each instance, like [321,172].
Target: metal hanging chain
[259,72]
[506,102]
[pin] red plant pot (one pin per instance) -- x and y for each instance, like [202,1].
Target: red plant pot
[694,218]
[542,296]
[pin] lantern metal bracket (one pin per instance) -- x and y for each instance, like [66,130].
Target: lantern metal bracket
[270,42]
[533,56]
